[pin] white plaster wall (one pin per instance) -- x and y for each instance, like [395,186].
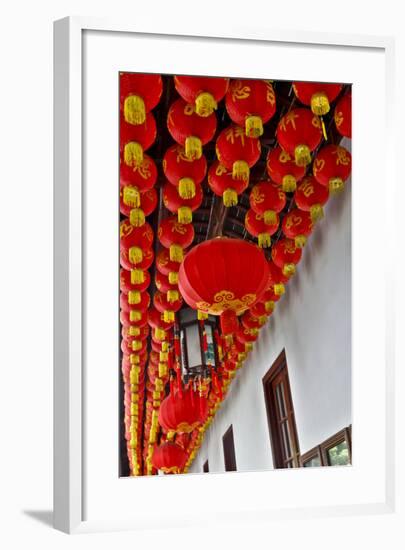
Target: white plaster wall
[312,321]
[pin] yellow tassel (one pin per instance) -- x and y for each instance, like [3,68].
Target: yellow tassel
[205,104]
[176,253]
[229,339]
[316,212]
[336,185]
[168,316]
[134,359]
[325,135]
[163,356]
[160,334]
[134,331]
[262,319]
[230,197]
[186,188]
[134,297]
[248,346]
[240,170]
[288,270]
[270,217]
[135,255]
[201,315]
[320,104]
[137,217]
[264,240]
[162,369]
[170,435]
[173,277]
[137,276]
[289,184]
[133,153]
[134,110]
[136,345]
[302,155]
[131,197]
[184,214]
[135,315]
[269,306]
[279,289]
[193,148]
[300,241]
[165,346]
[172,296]
[253,126]
[242,356]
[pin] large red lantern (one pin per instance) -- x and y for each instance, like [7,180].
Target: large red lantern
[250,103]
[182,172]
[267,200]
[135,139]
[317,95]
[223,185]
[163,305]
[282,169]
[136,179]
[237,152]
[135,240]
[257,227]
[167,267]
[203,92]
[190,130]
[311,196]
[332,166]
[183,412]
[184,208]
[139,93]
[223,277]
[169,458]
[148,202]
[286,255]
[343,115]
[176,237]
[297,225]
[299,132]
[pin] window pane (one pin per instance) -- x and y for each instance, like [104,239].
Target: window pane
[286,440]
[210,353]
[183,351]
[338,455]
[193,346]
[280,400]
[312,462]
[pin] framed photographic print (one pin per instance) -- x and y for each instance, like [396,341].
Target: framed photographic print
[216,200]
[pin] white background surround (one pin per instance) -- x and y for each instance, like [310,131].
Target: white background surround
[26,229]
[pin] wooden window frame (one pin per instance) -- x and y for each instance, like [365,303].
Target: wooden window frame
[226,455]
[206,467]
[321,450]
[278,459]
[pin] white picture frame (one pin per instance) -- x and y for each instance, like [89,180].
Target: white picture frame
[77,43]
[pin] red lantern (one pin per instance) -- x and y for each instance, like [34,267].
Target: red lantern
[237,152]
[257,227]
[203,92]
[127,286]
[286,256]
[267,200]
[163,305]
[276,279]
[282,169]
[176,237]
[139,93]
[343,115]
[136,179]
[126,321]
[129,348]
[183,172]
[134,240]
[163,284]
[299,132]
[223,277]
[156,321]
[148,202]
[135,139]
[128,304]
[223,185]
[137,268]
[167,267]
[311,197]
[184,208]
[269,297]
[317,95]
[297,225]
[332,166]
[260,310]
[190,130]
[250,103]
[169,458]
[183,412]
[249,321]
[141,333]
[247,335]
